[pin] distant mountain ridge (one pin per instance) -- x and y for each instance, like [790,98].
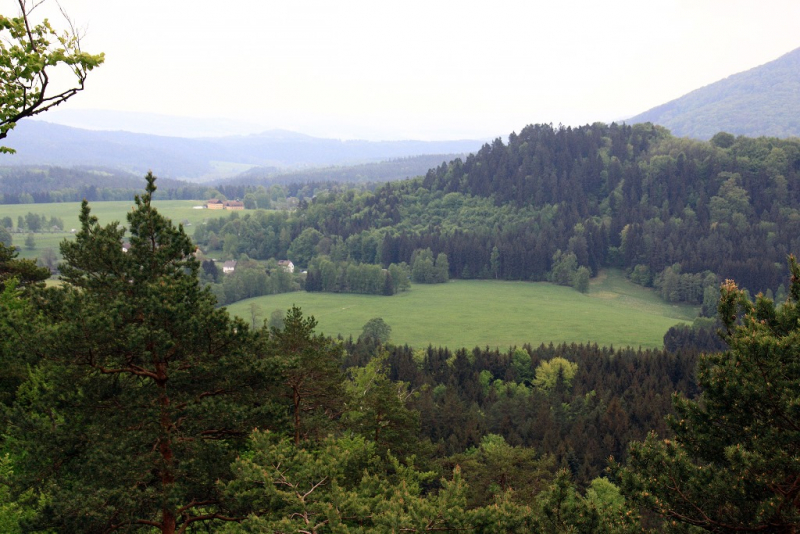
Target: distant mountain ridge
[42,143]
[149,123]
[763,101]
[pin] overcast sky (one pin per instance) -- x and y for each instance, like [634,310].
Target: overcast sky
[418,69]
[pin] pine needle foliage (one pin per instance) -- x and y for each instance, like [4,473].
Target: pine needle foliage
[734,464]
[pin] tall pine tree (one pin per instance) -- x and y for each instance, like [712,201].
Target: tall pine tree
[143,391]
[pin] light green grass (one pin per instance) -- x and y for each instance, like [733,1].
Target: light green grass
[469,313]
[106,212]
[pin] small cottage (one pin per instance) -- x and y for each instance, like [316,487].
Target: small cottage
[229,266]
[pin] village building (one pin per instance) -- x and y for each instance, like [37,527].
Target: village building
[286,265]
[234,205]
[229,266]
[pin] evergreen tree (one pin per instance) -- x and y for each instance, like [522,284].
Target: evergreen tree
[310,375]
[143,391]
[734,465]
[25,271]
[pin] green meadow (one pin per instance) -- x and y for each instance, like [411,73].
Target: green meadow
[106,212]
[461,313]
[469,313]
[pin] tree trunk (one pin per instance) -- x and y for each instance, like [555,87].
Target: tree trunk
[297,400]
[168,519]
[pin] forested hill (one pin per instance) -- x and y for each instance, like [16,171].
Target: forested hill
[635,195]
[26,184]
[761,101]
[677,214]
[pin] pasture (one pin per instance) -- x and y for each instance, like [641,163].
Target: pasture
[106,212]
[469,313]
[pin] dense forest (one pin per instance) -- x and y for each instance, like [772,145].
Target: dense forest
[679,215]
[131,403]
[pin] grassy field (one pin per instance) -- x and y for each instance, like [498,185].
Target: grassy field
[469,313]
[106,212]
[458,314]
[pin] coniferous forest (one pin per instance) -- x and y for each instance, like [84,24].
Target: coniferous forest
[559,204]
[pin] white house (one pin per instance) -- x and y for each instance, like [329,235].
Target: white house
[229,266]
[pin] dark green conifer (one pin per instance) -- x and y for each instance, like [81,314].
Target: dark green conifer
[143,392]
[734,465]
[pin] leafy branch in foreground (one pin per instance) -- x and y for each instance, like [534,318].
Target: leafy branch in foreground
[29,54]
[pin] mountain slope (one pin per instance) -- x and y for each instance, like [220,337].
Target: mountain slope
[764,100]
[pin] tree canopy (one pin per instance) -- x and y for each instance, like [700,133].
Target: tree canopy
[142,390]
[734,464]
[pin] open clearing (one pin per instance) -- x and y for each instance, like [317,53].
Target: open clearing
[469,313]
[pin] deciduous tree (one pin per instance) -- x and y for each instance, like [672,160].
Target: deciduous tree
[376,329]
[29,55]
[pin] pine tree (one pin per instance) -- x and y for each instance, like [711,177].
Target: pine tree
[734,465]
[143,392]
[310,374]
[25,271]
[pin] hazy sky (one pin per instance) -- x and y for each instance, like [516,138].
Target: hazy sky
[418,69]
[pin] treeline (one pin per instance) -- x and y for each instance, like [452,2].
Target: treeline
[348,277]
[249,279]
[368,173]
[33,222]
[41,185]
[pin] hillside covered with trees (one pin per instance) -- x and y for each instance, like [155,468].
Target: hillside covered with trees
[131,403]
[559,204]
[762,101]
